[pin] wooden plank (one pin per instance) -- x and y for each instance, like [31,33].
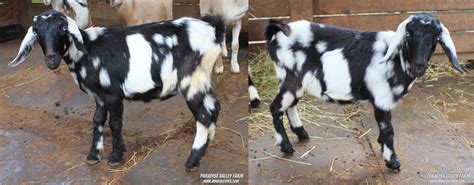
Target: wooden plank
[186,10]
[454,21]
[269,8]
[301,9]
[103,14]
[366,6]
[186,2]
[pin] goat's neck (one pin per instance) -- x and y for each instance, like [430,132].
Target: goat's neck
[74,57]
[402,67]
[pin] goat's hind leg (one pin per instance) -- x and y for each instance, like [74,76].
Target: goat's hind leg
[386,138]
[100,116]
[115,107]
[234,65]
[295,123]
[205,108]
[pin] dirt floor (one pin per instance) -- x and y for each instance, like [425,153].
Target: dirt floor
[46,130]
[434,136]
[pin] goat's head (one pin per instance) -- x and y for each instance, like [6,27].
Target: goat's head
[55,33]
[417,38]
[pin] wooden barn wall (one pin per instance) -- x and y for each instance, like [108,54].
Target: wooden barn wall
[456,15]
[101,12]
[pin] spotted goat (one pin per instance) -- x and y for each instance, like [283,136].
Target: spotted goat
[144,62]
[344,66]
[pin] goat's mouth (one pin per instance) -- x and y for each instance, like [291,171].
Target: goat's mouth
[52,61]
[418,72]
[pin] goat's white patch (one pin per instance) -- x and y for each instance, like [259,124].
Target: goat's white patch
[301,33]
[159,39]
[322,25]
[397,90]
[286,58]
[300,57]
[387,153]
[83,72]
[201,36]
[155,57]
[411,84]
[74,77]
[104,78]
[169,42]
[278,138]
[376,73]
[209,103]
[139,78]
[299,93]
[96,62]
[424,22]
[287,100]
[174,38]
[46,16]
[336,75]
[321,46]
[169,75]
[311,84]
[100,128]
[382,125]
[253,93]
[201,135]
[94,32]
[212,131]
[280,72]
[294,118]
[100,143]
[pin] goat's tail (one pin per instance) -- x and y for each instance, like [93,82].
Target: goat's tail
[275,26]
[218,23]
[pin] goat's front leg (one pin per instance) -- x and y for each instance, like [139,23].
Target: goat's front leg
[100,116]
[115,107]
[205,108]
[384,120]
[280,104]
[234,65]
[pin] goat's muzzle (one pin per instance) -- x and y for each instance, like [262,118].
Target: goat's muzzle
[52,61]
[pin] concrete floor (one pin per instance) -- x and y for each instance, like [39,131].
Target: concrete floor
[428,142]
[46,130]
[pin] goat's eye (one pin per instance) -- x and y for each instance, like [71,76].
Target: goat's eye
[64,28]
[407,34]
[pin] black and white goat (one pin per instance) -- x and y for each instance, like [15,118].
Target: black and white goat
[344,65]
[145,62]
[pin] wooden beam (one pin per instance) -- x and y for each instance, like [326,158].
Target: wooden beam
[301,9]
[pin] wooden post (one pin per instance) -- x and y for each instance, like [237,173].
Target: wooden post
[301,9]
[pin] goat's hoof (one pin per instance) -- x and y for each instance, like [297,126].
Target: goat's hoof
[114,159]
[254,103]
[235,68]
[393,164]
[192,169]
[92,162]
[92,159]
[113,164]
[219,70]
[287,149]
[303,136]
[192,166]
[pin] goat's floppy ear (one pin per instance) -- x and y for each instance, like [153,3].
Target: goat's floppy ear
[397,40]
[25,48]
[448,46]
[75,35]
